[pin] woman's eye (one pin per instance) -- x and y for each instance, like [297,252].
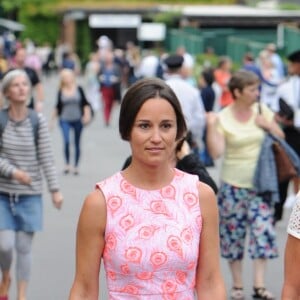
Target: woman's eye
[166,125]
[143,125]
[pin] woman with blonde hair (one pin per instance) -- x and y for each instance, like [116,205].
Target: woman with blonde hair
[74,111]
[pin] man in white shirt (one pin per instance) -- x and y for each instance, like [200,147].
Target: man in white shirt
[288,115]
[188,96]
[289,91]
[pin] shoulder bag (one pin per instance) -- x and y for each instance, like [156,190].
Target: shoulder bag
[284,166]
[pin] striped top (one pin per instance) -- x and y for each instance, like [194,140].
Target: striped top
[18,151]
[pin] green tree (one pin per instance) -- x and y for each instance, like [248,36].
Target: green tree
[30,7]
[41,21]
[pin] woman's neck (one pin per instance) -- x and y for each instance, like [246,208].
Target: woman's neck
[69,86]
[240,105]
[18,112]
[241,111]
[148,177]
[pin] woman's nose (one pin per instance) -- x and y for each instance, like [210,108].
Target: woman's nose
[156,135]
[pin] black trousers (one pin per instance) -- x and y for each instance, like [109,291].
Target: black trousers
[283,190]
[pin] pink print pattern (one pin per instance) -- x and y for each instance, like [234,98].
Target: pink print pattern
[174,244]
[168,192]
[127,222]
[151,239]
[133,254]
[190,200]
[158,259]
[187,235]
[146,232]
[111,241]
[181,277]
[113,204]
[158,207]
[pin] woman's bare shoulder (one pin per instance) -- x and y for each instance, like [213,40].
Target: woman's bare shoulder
[94,208]
[205,191]
[207,198]
[95,199]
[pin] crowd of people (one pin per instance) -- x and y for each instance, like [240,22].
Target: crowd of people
[164,221]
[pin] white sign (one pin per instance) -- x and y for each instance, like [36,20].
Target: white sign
[114,21]
[152,32]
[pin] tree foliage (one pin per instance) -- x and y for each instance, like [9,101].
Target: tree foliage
[41,6]
[41,29]
[31,7]
[8,5]
[169,18]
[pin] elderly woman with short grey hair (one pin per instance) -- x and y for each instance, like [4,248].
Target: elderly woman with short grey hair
[25,151]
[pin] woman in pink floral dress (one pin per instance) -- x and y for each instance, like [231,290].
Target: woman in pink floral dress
[154,227]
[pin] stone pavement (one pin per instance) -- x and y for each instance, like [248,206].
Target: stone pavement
[103,153]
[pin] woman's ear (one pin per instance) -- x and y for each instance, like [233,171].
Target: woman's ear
[236,93]
[128,137]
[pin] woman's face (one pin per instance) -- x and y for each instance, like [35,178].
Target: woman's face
[154,131]
[18,90]
[250,93]
[227,65]
[67,78]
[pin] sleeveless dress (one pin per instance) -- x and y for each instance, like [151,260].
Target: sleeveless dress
[152,238]
[294,221]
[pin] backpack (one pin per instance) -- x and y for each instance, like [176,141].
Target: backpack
[34,119]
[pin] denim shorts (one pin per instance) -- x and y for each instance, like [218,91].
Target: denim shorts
[21,212]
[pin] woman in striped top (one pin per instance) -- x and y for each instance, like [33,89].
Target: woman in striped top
[22,158]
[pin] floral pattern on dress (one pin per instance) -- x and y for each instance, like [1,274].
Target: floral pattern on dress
[151,238]
[239,209]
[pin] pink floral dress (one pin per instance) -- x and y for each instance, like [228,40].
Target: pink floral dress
[151,239]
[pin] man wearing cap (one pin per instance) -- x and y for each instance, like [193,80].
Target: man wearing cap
[189,97]
[288,115]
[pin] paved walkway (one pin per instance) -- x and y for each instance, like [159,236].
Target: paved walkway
[103,153]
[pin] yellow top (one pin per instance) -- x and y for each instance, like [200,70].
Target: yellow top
[243,141]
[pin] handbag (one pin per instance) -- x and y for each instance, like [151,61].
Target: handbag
[285,110]
[284,166]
